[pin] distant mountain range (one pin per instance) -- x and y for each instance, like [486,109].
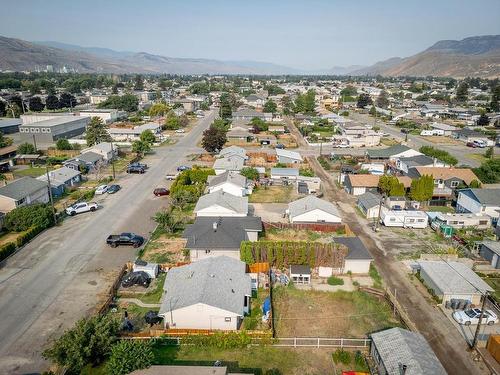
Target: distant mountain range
[475,56]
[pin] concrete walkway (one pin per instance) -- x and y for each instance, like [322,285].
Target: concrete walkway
[138,302]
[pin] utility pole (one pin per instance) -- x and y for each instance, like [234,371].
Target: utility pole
[34,143]
[50,193]
[476,334]
[379,210]
[113,159]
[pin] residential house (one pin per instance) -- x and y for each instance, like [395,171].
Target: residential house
[220,203]
[458,221]
[455,280]
[213,294]
[62,178]
[312,210]
[443,129]
[233,163]
[358,259]
[397,351]
[215,236]
[369,204]
[106,149]
[404,164]
[132,133]
[255,100]
[22,192]
[468,135]
[356,135]
[233,151]
[288,157]
[230,182]
[391,153]
[87,160]
[284,174]
[357,184]
[490,250]
[248,114]
[480,201]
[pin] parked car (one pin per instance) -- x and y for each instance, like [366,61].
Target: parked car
[405,131]
[126,238]
[135,169]
[139,165]
[113,189]
[180,131]
[101,189]
[136,278]
[479,143]
[171,176]
[183,168]
[471,144]
[81,207]
[468,317]
[161,191]
[280,146]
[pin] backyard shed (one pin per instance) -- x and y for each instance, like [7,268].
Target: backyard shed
[358,258]
[300,274]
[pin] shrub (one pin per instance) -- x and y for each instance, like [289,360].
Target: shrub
[341,356]
[219,340]
[26,217]
[129,355]
[6,250]
[332,280]
[83,195]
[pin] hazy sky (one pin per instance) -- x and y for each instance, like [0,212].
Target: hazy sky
[307,34]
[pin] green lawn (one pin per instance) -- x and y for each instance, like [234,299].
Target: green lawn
[443,209]
[31,172]
[494,281]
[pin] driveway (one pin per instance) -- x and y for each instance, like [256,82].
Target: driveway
[61,275]
[269,212]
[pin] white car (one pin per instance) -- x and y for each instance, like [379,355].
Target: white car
[180,131]
[171,176]
[471,316]
[101,189]
[81,207]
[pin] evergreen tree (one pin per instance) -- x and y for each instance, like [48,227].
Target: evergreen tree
[96,132]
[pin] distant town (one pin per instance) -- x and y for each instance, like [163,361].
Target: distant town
[223,224]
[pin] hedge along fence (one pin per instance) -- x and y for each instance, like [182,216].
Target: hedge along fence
[281,254]
[8,249]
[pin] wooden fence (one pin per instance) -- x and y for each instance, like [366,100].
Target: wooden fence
[316,227]
[112,291]
[322,342]
[176,333]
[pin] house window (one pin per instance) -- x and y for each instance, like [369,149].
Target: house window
[454,184]
[207,251]
[227,319]
[392,219]
[483,222]
[21,201]
[245,301]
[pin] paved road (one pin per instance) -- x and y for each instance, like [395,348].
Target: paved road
[60,275]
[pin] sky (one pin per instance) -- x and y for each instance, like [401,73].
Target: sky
[307,34]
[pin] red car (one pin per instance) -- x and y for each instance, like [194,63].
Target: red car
[471,144]
[161,191]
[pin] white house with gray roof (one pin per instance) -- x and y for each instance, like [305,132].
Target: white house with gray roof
[453,280]
[288,157]
[312,210]
[232,163]
[22,192]
[220,203]
[230,182]
[480,201]
[213,293]
[397,351]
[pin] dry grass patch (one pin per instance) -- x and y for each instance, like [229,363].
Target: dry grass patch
[442,140]
[273,194]
[165,249]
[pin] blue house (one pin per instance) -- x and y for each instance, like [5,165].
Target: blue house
[62,178]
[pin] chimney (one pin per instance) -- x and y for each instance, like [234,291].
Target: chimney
[214,226]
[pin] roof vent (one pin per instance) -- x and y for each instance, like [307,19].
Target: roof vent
[232,290]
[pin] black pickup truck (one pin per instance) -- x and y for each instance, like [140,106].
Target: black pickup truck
[130,239]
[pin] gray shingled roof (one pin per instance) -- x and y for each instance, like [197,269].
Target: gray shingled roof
[387,152]
[89,157]
[415,161]
[487,196]
[228,176]
[492,245]
[220,198]
[22,187]
[398,346]
[229,233]
[60,175]
[231,163]
[233,150]
[454,277]
[356,247]
[217,281]
[369,199]
[310,203]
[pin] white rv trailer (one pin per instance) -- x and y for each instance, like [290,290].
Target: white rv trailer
[403,218]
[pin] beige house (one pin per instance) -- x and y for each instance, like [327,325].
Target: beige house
[21,192]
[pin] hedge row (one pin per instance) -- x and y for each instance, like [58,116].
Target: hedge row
[282,254]
[28,236]
[6,250]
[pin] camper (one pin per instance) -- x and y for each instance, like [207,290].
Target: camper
[458,221]
[432,132]
[403,218]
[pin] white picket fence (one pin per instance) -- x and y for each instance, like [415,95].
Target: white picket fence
[322,342]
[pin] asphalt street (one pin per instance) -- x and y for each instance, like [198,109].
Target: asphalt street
[61,275]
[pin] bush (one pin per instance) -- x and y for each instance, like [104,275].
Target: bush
[219,340]
[31,216]
[341,356]
[129,355]
[332,280]
[6,250]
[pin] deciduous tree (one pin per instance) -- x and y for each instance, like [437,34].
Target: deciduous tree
[213,139]
[128,356]
[148,137]
[35,104]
